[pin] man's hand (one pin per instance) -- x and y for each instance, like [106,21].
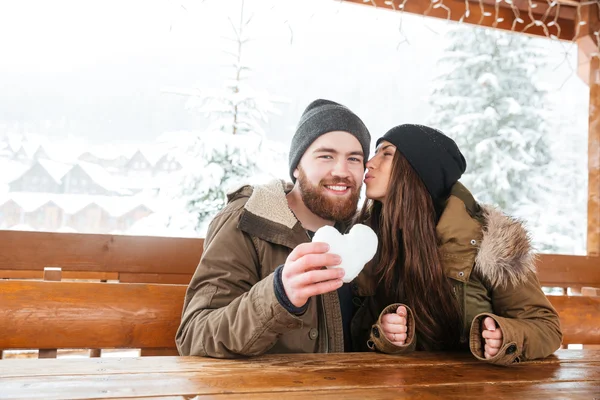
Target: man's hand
[394,326]
[303,275]
[492,336]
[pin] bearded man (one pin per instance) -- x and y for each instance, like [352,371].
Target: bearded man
[261,286]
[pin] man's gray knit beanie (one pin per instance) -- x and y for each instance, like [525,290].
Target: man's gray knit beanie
[321,117]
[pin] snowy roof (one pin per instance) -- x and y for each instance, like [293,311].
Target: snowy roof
[71,204]
[100,175]
[28,142]
[27,203]
[110,151]
[57,170]
[153,153]
[11,170]
[118,206]
[64,151]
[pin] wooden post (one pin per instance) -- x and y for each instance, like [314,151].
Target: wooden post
[593,234]
[589,71]
[94,353]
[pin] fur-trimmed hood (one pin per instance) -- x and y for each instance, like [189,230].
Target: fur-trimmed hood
[505,254]
[483,239]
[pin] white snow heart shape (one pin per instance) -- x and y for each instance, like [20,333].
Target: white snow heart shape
[356,248]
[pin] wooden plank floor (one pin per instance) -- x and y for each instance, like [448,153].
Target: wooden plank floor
[568,374]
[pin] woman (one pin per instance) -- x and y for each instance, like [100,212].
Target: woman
[455,274]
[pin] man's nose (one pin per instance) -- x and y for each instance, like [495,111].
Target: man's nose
[341,169]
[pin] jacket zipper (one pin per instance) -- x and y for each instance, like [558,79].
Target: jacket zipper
[322,320]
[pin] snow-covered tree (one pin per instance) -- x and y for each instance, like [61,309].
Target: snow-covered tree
[233,150]
[488,100]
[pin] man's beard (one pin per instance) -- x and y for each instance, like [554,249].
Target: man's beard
[327,206]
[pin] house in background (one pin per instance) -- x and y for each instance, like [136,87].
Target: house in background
[126,220]
[20,155]
[90,219]
[111,163]
[5,150]
[73,213]
[47,217]
[166,164]
[138,165]
[43,176]
[41,154]
[86,178]
[104,192]
[11,214]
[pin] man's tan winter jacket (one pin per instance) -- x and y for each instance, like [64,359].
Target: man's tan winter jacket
[230,307]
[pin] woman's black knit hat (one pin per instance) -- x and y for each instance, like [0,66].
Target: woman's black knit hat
[434,156]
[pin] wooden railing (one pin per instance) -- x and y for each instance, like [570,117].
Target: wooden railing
[144,259]
[145,312]
[127,259]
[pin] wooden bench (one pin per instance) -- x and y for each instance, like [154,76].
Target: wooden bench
[67,315]
[140,259]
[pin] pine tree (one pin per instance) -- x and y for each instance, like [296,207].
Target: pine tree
[488,100]
[233,150]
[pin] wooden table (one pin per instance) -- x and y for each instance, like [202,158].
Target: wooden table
[573,374]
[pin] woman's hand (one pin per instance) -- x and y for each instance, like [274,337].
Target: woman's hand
[394,326]
[492,336]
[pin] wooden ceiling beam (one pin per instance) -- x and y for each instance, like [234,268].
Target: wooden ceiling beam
[479,14]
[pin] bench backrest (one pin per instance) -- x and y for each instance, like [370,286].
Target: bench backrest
[49,315]
[23,255]
[129,259]
[568,271]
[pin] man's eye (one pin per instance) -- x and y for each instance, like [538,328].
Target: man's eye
[327,157]
[355,159]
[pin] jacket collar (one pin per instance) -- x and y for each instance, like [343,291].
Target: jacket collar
[267,215]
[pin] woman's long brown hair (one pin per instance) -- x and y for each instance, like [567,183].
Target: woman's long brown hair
[407,265]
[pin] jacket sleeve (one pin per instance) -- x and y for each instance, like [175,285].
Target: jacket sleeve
[530,325]
[228,310]
[378,340]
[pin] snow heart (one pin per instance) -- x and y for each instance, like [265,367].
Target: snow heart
[356,248]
